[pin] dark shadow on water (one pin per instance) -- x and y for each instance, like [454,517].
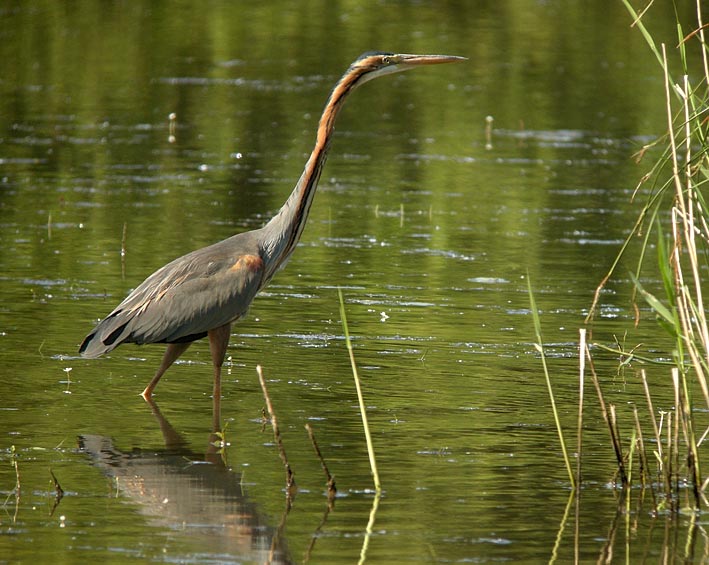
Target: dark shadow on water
[192,493]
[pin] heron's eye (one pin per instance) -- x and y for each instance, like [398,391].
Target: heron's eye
[386,60]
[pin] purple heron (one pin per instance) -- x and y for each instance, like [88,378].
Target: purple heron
[202,293]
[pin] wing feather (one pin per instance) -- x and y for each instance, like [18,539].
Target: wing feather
[183,300]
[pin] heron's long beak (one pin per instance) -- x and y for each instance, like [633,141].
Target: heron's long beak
[415,60]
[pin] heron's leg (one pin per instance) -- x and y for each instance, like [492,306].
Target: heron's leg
[218,341]
[173,351]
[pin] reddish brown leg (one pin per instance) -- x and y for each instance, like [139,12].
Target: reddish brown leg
[172,353]
[218,342]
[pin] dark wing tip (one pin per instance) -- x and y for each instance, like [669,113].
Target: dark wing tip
[91,347]
[106,336]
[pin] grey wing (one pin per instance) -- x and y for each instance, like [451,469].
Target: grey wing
[180,302]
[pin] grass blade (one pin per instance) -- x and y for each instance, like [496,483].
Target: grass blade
[540,347]
[360,398]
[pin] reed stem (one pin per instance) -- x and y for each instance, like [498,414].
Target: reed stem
[540,348]
[331,488]
[290,478]
[579,423]
[360,398]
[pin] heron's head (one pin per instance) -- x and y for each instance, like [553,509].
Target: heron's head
[374,64]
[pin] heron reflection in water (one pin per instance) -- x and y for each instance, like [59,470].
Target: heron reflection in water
[202,293]
[195,493]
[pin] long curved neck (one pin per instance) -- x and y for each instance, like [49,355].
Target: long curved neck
[282,232]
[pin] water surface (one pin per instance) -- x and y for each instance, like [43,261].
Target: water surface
[428,226]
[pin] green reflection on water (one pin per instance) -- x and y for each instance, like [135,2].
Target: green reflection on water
[435,297]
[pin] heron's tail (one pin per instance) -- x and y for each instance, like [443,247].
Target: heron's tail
[105,337]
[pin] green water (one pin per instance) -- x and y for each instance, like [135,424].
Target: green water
[430,233]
